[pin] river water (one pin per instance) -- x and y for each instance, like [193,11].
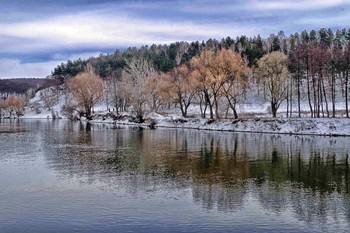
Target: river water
[62,176]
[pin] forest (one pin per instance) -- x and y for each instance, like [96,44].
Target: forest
[19,85]
[310,67]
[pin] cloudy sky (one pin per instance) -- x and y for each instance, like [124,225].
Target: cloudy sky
[37,35]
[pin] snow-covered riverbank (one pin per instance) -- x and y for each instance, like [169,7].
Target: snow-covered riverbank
[307,126]
[257,122]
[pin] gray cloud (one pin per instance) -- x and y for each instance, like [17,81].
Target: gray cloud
[44,28]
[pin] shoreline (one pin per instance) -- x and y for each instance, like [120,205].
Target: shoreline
[330,127]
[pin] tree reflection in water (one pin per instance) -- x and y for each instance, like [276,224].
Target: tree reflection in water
[307,175]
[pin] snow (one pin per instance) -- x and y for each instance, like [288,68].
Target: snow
[36,110]
[298,126]
[254,118]
[268,125]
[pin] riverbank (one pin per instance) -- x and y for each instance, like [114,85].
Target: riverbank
[298,126]
[255,118]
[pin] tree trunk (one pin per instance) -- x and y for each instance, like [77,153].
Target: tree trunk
[287,115]
[217,115]
[226,111]
[333,93]
[346,94]
[309,93]
[207,100]
[273,109]
[320,98]
[205,110]
[235,113]
[291,98]
[201,105]
[183,111]
[325,95]
[316,103]
[88,112]
[116,105]
[186,108]
[298,93]
[182,107]
[233,106]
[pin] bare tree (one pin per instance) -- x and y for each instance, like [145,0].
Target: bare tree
[183,48]
[117,100]
[273,72]
[49,96]
[138,85]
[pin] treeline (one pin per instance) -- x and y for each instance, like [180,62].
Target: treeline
[165,57]
[310,66]
[20,85]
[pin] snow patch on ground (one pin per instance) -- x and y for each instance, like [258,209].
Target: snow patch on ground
[35,108]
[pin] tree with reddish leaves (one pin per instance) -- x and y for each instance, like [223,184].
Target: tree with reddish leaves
[344,67]
[306,60]
[335,66]
[297,68]
[319,60]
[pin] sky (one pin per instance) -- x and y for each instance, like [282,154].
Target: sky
[38,35]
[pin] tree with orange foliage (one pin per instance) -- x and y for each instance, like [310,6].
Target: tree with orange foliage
[214,71]
[15,104]
[154,87]
[182,86]
[235,73]
[3,107]
[86,89]
[273,72]
[201,73]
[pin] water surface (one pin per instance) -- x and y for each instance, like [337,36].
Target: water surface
[62,176]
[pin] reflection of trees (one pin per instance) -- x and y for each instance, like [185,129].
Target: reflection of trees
[306,175]
[315,187]
[223,198]
[319,172]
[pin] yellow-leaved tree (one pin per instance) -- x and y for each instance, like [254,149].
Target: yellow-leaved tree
[182,86]
[273,73]
[15,104]
[86,88]
[220,74]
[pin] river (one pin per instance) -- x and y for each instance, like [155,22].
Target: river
[63,176]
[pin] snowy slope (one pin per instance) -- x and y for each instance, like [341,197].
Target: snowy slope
[35,108]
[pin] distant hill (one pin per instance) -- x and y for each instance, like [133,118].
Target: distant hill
[53,81]
[20,85]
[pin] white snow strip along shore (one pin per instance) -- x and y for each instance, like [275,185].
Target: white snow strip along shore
[299,126]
